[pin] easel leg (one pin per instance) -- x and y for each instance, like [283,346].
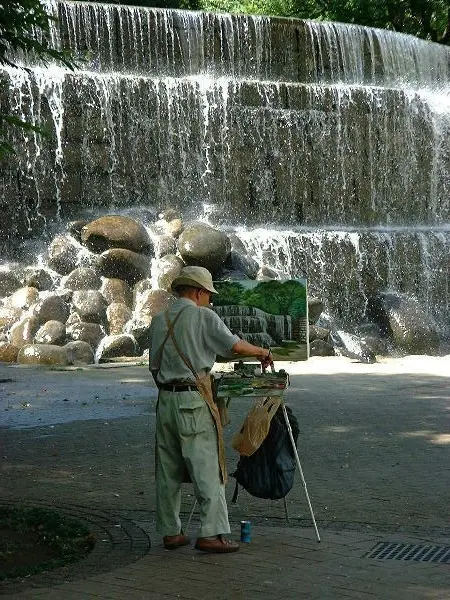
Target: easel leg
[286,514]
[288,425]
[188,524]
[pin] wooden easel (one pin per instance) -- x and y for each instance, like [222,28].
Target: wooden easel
[297,459]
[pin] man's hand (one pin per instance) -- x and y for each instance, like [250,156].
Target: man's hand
[266,360]
[264,355]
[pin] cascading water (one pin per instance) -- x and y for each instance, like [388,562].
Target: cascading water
[331,140]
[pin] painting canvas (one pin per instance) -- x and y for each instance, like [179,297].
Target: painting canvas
[272,314]
[239,383]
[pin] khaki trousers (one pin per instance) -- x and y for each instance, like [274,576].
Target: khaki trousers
[186,438]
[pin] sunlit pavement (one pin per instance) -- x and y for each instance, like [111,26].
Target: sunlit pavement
[374,446]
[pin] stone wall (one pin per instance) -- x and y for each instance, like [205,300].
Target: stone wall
[275,122]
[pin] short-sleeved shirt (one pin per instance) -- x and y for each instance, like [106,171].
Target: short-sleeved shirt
[200,334]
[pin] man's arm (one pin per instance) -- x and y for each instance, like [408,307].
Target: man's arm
[244,348]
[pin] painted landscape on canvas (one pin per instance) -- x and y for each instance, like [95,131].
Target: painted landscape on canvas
[238,383]
[272,314]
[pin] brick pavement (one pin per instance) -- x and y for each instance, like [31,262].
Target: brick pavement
[374,450]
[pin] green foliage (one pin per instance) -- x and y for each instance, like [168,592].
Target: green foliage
[230,292]
[182,4]
[6,147]
[68,539]
[429,19]
[25,27]
[278,298]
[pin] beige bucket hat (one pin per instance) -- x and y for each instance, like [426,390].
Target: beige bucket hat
[198,277]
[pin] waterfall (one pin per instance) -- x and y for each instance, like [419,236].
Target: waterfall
[328,143]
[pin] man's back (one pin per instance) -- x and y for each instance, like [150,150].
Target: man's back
[200,335]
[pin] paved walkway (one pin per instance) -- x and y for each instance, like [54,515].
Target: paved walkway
[374,446]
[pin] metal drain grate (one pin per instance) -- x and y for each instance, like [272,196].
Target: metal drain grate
[416,552]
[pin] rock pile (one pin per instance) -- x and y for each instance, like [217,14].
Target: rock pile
[101,284]
[102,281]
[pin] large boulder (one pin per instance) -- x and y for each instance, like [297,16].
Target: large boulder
[116,290]
[265,273]
[115,231]
[43,354]
[169,223]
[315,309]
[8,352]
[92,333]
[38,278]
[113,346]
[62,254]
[352,346]
[140,332]
[9,315]
[23,332]
[51,308]
[118,314]
[402,319]
[237,244]
[23,298]
[240,261]
[90,305]
[79,353]
[165,244]
[318,333]
[82,278]
[152,302]
[202,245]
[140,291]
[124,264]
[52,332]
[75,228]
[9,283]
[321,348]
[166,269]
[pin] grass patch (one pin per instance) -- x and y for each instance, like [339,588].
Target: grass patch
[33,540]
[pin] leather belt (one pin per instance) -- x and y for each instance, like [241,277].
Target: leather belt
[174,387]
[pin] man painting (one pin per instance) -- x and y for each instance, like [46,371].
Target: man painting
[184,344]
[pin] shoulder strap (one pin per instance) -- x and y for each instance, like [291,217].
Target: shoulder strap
[184,358]
[168,334]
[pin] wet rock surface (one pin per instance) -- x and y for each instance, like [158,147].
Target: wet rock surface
[23,298]
[8,352]
[116,231]
[42,354]
[62,254]
[82,278]
[9,283]
[79,353]
[117,291]
[23,331]
[52,332]
[90,305]
[202,245]
[52,307]
[124,264]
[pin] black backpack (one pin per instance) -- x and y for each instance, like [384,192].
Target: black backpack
[269,472]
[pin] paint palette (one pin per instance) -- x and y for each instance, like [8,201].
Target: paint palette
[243,383]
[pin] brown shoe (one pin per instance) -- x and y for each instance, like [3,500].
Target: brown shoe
[171,542]
[219,545]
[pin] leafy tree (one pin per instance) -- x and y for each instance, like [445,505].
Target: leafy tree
[429,19]
[278,298]
[184,4]
[230,292]
[25,27]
